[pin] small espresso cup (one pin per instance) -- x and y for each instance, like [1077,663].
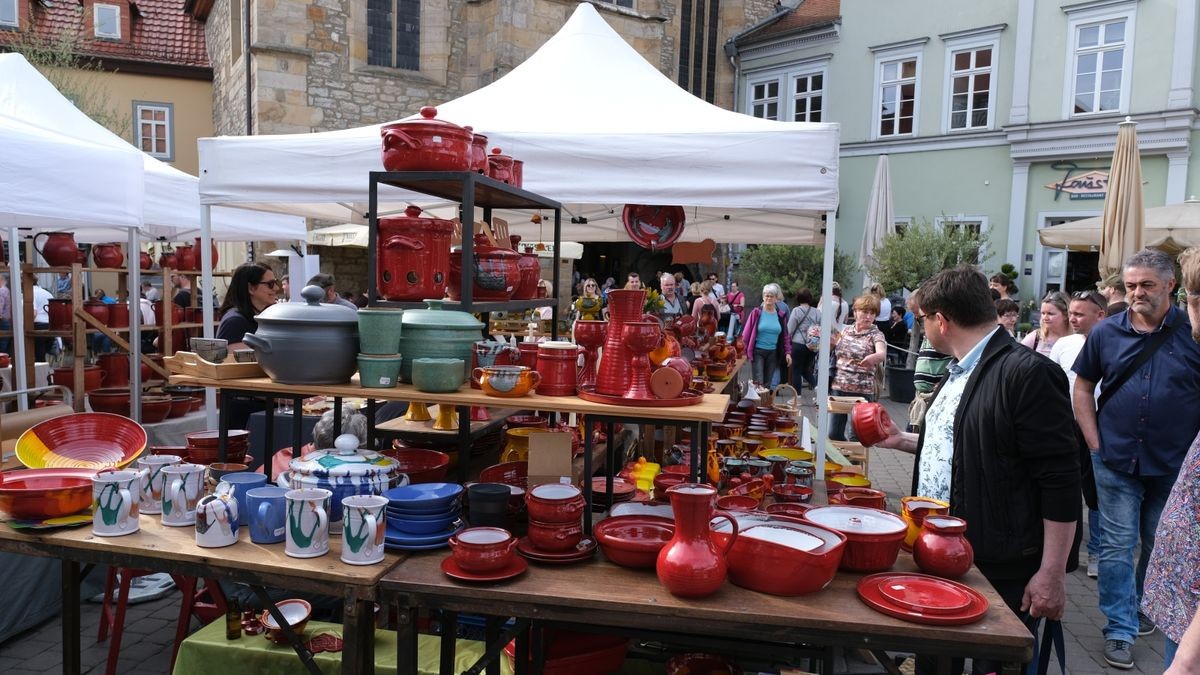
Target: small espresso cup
[266,514]
[363,527]
[240,483]
[217,518]
[115,497]
[153,481]
[307,526]
[182,488]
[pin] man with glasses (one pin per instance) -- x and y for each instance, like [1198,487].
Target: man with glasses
[1138,432]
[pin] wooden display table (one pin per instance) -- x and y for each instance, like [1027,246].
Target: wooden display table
[597,596]
[173,550]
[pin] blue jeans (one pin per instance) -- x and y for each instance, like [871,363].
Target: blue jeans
[1094,529]
[764,366]
[1129,509]
[1169,649]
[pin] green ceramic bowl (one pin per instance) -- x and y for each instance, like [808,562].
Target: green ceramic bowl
[378,371]
[437,376]
[379,331]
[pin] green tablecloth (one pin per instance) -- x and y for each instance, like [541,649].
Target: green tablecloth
[207,652]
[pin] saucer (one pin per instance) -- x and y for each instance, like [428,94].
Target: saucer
[924,595]
[582,552]
[870,592]
[514,569]
[394,536]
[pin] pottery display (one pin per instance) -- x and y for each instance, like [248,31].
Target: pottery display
[426,144]
[306,343]
[379,330]
[531,271]
[495,276]
[58,248]
[942,548]
[691,565]
[108,255]
[412,256]
[613,373]
[507,381]
[640,337]
[437,333]
[556,363]
[344,470]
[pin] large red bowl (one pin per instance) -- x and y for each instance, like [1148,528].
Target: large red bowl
[633,541]
[180,406]
[83,440]
[772,555]
[421,465]
[509,473]
[36,494]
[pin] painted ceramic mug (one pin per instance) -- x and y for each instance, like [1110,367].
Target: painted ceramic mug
[266,514]
[181,492]
[363,527]
[217,518]
[507,381]
[115,497]
[153,481]
[239,484]
[307,527]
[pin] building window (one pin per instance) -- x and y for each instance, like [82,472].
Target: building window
[9,14]
[106,19]
[808,92]
[897,97]
[1100,53]
[620,3]
[153,130]
[394,33]
[764,100]
[699,56]
[971,88]
[976,225]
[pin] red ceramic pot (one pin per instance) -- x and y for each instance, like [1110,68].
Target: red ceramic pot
[145,260]
[113,400]
[860,496]
[497,272]
[118,316]
[529,354]
[783,557]
[942,548]
[93,377]
[873,537]
[483,549]
[518,173]
[59,249]
[180,406]
[60,312]
[81,256]
[555,537]
[155,408]
[213,250]
[555,503]
[634,540]
[479,143]
[185,257]
[871,423]
[413,256]
[177,313]
[36,494]
[116,370]
[421,465]
[5,360]
[530,269]
[691,565]
[556,361]
[426,144]
[168,259]
[737,503]
[108,255]
[664,481]
[500,166]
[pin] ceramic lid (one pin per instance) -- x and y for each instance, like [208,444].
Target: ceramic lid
[436,317]
[856,519]
[344,459]
[558,344]
[430,124]
[312,310]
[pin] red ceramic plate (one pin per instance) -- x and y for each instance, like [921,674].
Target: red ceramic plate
[653,227]
[622,489]
[582,552]
[925,595]
[514,569]
[38,494]
[82,440]
[689,397]
[869,592]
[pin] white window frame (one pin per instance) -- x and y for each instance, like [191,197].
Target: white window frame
[780,104]
[973,42]
[96,21]
[881,58]
[169,109]
[15,5]
[792,96]
[940,222]
[1077,19]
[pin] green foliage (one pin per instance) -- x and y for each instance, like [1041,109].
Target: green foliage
[1010,270]
[904,260]
[792,267]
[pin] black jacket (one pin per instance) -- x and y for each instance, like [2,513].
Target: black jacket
[1015,460]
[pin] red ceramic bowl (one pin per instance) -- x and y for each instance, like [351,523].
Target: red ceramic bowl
[792,493]
[787,509]
[873,537]
[509,473]
[861,496]
[82,440]
[534,421]
[554,503]
[179,450]
[871,423]
[634,540]
[665,480]
[422,465]
[180,406]
[295,610]
[681,469]
[114,400]
[211,437]
[555,537]
[737,503]
[483,549]
[36,494]
[569,653]
[782,556]
[155,408]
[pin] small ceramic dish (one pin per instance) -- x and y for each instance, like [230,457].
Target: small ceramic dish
[296,612]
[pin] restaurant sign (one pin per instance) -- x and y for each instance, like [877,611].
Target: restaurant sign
[1090,185]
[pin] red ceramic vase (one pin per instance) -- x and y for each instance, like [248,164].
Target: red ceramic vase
[185,257]
[641,337]
[98,309]
[214,253]
[118,316]
[60,311]
[108,255]
[530,269]
[690,565]
[612,375]
[942,548]
[590,335]
[145,260]
[59,249]
[168,259]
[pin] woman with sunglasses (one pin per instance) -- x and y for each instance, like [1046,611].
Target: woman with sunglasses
[252,289]
[590,305]
[1053,322]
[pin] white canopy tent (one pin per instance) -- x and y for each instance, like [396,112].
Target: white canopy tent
[597,127]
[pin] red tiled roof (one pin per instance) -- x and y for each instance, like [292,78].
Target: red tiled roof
[162,32]
[807,13]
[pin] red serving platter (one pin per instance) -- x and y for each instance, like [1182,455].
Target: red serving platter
[33,495]
[514,569]
[871,592]
[582,552]
[689,397]
[621,488]
[921,594]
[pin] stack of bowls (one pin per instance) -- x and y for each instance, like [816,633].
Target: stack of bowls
[555,513]
[202,446]
[422,517]
[379,347]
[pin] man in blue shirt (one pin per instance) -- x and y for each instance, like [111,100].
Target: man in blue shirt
[1139,436]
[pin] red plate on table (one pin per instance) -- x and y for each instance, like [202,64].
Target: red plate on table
[622,489]
[582,552]
[514,569]
[871,590]
[689,397]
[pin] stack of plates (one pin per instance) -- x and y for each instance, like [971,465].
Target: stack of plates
[422,517]
[622,491]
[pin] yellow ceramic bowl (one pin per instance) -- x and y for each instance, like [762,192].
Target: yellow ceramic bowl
[852,480]
[790,453]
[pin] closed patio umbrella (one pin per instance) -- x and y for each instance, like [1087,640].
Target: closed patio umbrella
[1121,234]
[881,216]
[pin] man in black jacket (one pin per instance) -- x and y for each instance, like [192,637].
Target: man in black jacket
[999,445]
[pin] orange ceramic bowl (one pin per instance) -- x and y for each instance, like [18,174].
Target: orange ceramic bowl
[83,440]
[507,381]
[36,494]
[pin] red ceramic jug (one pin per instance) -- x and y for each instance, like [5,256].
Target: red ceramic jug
[214,253]
[145,260]
[59,249]
[613,373]
[690,566]
[118,316]
[115,367]
[531,272]
[60,311]
[168,259]
[98,309]
[108,255]
[185,257]
[942,548]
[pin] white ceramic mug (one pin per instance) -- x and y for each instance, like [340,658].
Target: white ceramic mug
[217,518]
[308,522]
[181,492]
[363,527]
[115,497]
[153,481]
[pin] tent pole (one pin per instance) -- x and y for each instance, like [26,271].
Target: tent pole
[134,284]
[823,354]
[16,293]
[206,297]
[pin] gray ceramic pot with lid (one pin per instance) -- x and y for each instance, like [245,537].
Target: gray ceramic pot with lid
[437,333]
[308,342]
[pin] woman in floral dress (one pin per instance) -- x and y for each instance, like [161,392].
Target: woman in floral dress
[861,348]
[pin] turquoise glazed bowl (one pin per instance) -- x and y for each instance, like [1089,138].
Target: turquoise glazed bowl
[379,331]
[438,376]
[378,371]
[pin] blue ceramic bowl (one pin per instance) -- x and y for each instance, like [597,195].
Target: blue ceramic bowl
[421,526]
[394,536]
[439,514]
[424,497]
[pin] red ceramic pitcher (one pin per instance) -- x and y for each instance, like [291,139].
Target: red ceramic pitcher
[185,257]
[115,367]
[59,249]
[214,253]
[98,309]
[942,548]
[168,259]
[108,255]
[613,373]
[690,565]
[118,316]
[145,260]
[60,311]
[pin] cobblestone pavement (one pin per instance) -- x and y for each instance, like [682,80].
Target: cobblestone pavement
[150,627]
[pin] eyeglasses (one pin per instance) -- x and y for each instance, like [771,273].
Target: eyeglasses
[273,283]
[1093,297]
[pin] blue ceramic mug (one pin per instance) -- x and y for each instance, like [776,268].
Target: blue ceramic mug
[242,482]
[266,511]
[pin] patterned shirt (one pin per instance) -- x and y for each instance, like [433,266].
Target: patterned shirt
[1172,590]
[937,450]
[854,346]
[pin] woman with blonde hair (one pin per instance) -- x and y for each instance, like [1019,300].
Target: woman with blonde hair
[1053,323]
[860,350]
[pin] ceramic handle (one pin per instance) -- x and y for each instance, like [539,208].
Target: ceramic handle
[537,378]
[397,241]
[322,518]
[477,375]
[733,537]
[259,343]
[372,526]
[264,509]
[126,504]
[392,137]
[177,496]
[35,242]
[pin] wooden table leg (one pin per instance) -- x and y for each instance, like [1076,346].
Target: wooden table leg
[358,631]
[406,638]
[70,617]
